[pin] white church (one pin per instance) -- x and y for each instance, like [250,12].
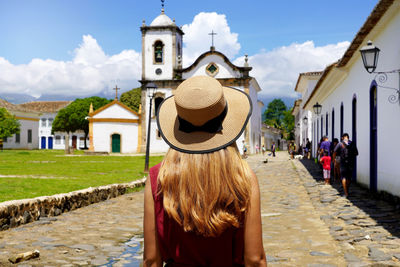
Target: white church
[116,128]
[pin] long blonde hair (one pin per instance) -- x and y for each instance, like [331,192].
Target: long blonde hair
[205,193]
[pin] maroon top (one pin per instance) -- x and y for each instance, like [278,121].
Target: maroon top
[188,248]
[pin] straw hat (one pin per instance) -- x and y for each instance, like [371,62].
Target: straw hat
[203,116]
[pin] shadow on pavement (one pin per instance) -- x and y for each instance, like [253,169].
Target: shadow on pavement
[384,213]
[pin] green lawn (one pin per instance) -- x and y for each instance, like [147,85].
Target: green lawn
[51,172]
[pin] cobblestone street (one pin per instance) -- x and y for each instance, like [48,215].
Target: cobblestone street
[305,223]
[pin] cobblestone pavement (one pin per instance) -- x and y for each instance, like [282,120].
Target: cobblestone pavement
[94,235]
[367,230]
[305,223]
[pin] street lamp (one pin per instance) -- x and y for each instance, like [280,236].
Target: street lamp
[317,108]
[305,120]
[151,88]
[369,55]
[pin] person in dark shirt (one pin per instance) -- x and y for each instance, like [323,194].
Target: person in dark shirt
[308,148]
[325,146]
[347,151]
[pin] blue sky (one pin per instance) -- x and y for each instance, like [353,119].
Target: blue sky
[44,29]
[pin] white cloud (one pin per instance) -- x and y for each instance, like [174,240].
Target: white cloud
[277,71]
[197,39]
[90,72]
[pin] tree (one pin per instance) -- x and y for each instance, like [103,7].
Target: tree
[132,98]
[279,116]
[274,113]
[9,125]
[73,117]
[288,124]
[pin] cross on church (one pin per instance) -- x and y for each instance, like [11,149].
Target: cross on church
[212,33]
[116,91]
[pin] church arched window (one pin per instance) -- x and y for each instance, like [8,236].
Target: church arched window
[158,52]
[157,102]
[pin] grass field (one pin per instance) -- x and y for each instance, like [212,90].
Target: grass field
[33,173]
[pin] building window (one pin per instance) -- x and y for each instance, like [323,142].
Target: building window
[63,140]
[17,138]
[5,139]
[327,121]
[333,124]
[50,122]
[212,69]
[341,119]
[58,140]
[81,141]
[157,102]
[158,134]
[322,125]
[158,52]
[29,136]
[43,124]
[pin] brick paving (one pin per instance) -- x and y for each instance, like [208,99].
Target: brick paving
[305,223]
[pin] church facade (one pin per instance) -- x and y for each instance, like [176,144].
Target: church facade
[162,65]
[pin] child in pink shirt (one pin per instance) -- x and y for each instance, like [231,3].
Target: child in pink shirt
[326,165]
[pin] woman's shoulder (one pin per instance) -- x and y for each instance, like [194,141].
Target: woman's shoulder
[153,173]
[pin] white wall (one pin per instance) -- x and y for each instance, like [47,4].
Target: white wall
[358,83]
[102,132]
[167,68]
[225,71]
[116,112]
[157,144]
[23,144]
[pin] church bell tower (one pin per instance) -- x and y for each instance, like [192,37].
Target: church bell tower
[161,48]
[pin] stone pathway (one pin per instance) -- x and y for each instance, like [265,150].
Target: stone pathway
[367,230]
[304,224]
[293,233]
[91,235]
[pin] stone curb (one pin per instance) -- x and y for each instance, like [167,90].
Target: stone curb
[16,212]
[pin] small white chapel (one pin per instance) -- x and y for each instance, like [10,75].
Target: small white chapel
[116,128]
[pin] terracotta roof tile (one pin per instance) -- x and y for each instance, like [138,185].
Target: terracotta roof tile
[376,14]
[7,105]
[45,106]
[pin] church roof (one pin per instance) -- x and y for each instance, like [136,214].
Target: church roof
[115,101]
[45,106]
[162,20]
[244,70]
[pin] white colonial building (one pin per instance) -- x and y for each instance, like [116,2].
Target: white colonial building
[365,105]
[303,118]
[29,124]
[114,128]
[272,135]
[162,65]
[36,119]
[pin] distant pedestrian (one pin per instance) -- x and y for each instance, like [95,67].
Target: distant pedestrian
[257,147]
[326,167]
[325,146]
[348,152]
[263,149]
[308,147]
[244,149]
[335,161]
[273,148]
